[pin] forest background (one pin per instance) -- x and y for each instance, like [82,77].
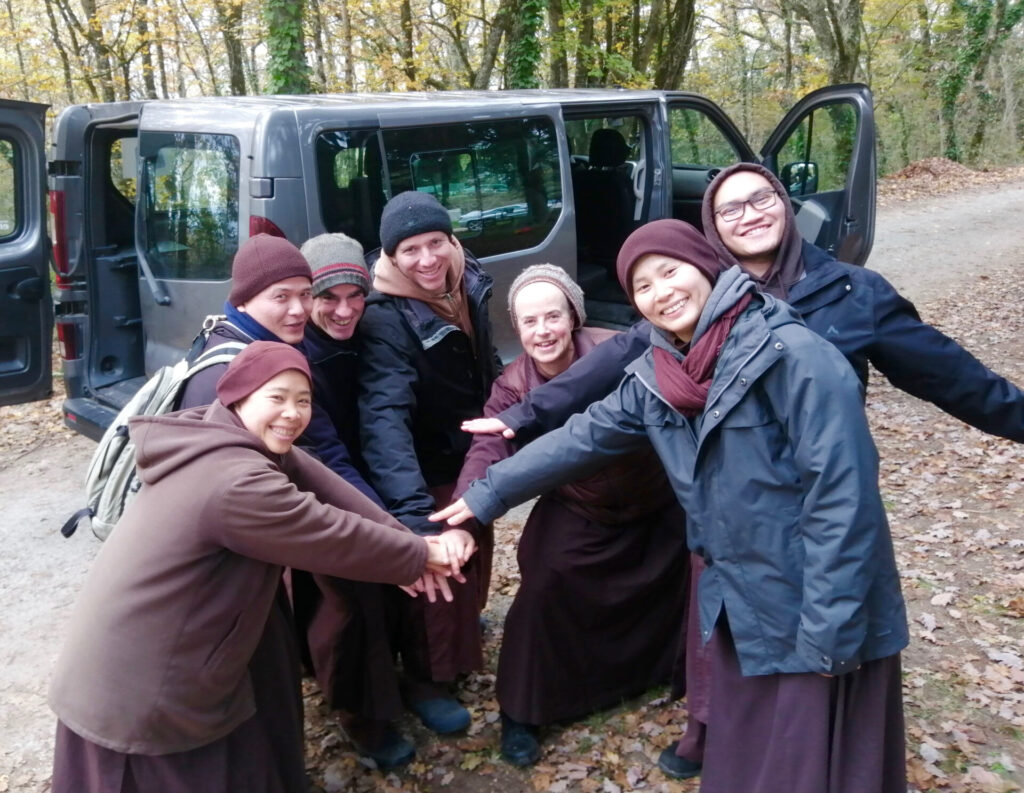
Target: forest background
[947,77]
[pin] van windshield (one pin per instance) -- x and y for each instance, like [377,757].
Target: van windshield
[190,204]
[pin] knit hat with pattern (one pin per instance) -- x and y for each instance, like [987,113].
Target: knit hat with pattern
[336,259]
[556,276]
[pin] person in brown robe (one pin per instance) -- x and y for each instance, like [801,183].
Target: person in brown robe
[426,365]
[603,560]
[153,689]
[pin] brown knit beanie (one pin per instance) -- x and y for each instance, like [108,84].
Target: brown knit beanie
[669,237]
[261,261]
[408,214]
[336,259]
[256,364]
[556,276]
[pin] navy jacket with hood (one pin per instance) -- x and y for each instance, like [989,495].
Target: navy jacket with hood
[854,308]
[420,377]
[779,477]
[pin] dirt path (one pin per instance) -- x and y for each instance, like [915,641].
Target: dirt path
[955,497]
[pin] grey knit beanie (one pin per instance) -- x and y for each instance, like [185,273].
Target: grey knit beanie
[336,259]
[556,276]
[261,261]
[408,214]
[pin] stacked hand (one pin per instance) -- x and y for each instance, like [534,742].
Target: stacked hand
[446,553]
[488,427]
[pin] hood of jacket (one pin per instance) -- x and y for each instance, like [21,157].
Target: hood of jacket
[164,444]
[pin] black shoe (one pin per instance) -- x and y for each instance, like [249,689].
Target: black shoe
[675,766]
[392,751]
[519,745]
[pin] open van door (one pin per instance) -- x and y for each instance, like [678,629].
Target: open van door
[824,154]
[26,313]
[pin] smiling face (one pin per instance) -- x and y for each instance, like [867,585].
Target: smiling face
[754,237]
[278,411]
[338,310]
[283,308]
[425,259]
[544,322]
[670,293]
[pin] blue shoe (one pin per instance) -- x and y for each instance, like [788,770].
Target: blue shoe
[391,751]
[519,745]
[675,766]
[443,715]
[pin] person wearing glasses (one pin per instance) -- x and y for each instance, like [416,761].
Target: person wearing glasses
[760,427]
[749,221]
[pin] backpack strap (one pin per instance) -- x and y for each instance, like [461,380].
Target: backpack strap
[196,348]
[71,524]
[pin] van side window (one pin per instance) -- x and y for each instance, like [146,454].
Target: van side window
[190,195]
[500,180]
[699,148]
[816,157]
[8,188]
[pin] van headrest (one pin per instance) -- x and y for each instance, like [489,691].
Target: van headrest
[608,149]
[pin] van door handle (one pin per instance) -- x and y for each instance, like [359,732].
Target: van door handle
[29,290]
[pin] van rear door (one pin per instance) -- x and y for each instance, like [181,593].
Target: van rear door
[26,313]
[824,154]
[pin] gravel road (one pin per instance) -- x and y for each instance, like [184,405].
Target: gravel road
[930,249]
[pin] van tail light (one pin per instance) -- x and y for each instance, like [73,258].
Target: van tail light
[68,337]
[258,225]
[60,236]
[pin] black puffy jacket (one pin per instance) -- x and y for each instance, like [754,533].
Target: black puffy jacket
[420,377]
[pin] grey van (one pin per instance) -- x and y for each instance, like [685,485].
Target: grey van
[150,200]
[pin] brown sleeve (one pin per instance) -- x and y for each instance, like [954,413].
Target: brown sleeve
[266,516]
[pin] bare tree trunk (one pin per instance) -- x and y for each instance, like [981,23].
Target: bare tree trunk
[145,45]
[229,19]
[682,25]
[651,38]
[585,61]
[18,52]
[347,47]
[319,49]
[837,27]
[499,28]
[214,85]
[559,54]
[58,45]
[406,46]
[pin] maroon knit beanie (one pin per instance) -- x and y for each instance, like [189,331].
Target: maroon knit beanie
[261,261]
[669,237]
[256,364]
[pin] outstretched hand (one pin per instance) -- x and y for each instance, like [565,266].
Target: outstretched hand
[430,584]
[454,514]
[488,427]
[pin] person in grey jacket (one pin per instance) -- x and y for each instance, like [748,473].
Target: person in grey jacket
[760,425]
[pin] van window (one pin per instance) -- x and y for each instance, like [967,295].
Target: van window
[500,180]
[8,188]
[190,196]
[816,157]
[697,141]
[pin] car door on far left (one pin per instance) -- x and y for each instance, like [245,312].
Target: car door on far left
[26,312]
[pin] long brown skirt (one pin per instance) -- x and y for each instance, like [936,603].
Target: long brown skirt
[599,613]
[350,631]
[264,754]
[803,733]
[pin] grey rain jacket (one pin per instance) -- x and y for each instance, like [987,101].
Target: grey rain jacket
[779,479]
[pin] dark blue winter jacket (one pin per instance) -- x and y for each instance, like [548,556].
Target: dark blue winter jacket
[420,377]
[778,476]
[854,308]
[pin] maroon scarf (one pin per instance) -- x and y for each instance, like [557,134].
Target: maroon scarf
[685,384]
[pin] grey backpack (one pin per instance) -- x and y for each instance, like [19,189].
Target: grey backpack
[111,481]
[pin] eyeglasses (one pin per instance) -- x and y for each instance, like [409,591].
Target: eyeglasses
[735,210]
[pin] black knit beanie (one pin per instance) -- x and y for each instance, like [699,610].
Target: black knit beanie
[408,214]
[261,261]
